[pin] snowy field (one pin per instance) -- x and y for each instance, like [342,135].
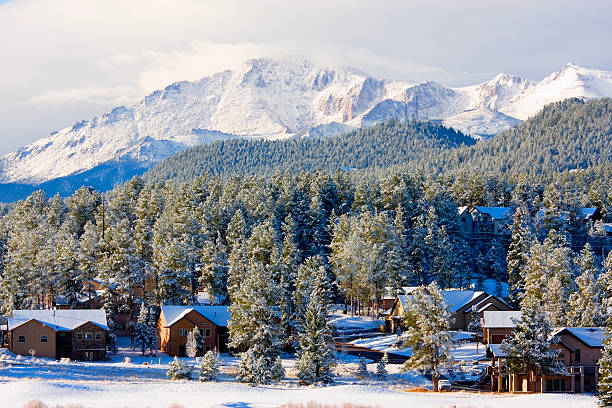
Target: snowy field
[133,384]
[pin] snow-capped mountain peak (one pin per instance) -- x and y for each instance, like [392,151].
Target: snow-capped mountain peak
[274,99]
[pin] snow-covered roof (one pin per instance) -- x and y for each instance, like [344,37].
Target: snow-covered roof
[409,289]
[60,320]
[497,213]
[456,298]
[496,350]
[500,319]
[591,336]
[608,227]
[588,212]
[462,209]
[219,315]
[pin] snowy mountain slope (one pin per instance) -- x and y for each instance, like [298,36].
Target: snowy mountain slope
[276,99]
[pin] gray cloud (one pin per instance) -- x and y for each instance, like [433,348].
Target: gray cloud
[67,60]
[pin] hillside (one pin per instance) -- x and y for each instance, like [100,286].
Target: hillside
[573,134]
[386,144]
[565,135]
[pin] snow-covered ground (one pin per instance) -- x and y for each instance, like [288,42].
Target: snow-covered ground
[464,351]
[222,394]
[134,384]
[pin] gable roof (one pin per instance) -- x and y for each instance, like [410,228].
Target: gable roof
[591,336]
[219,315]
[60,320]
[500,319]
[457,298]
[497,213]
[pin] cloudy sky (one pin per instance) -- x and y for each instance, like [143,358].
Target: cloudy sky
[67,60]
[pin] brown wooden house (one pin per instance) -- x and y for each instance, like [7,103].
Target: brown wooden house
[79,334]
[580,349]
[461,303]
[175,323]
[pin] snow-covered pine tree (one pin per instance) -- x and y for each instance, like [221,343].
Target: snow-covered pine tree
[278,371]
[559,277]
[605,282]
[528,348]
[381,367]
[69,277]
[89,251]
[604,383]
[586,308]
[253,323]
[178,370]
[517,255]
[209,369]
[475,326]
[427,321]
[362,368]
[142,331]
[316,354]
[304,284]
[214,270]
[191,347]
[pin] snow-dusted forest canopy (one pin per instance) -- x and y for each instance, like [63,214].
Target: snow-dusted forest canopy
[567,135]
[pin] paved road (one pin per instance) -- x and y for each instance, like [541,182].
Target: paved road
[370,354]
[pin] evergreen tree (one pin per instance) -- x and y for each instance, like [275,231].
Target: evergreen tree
[586,308]
[178,370]
[427,321]
[317,353]
[517,256]
[605,282]
[89,251]
[192,343]
[142,332]
[381,368]
[209,369]
[252,325]
[362,368]
[528,348]
[604,383]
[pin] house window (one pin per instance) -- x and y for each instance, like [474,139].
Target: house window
[98,336]
[205,332]
[577,355]
[79,336]
[88,336]
[21,339]
[183,332]
[43,339]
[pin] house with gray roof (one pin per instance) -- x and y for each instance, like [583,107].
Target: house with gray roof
[175,323]
[79,334]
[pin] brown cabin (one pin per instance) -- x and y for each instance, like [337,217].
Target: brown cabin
[175,323]
[580,349]
[461,303]
[78,334]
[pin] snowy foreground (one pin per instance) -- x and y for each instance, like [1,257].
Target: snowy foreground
[193,394]
[134,384]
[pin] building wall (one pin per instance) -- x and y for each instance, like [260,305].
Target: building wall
[32,331]
[80,347]
[494,335]
[462,319]
[589,356]
[171,341]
